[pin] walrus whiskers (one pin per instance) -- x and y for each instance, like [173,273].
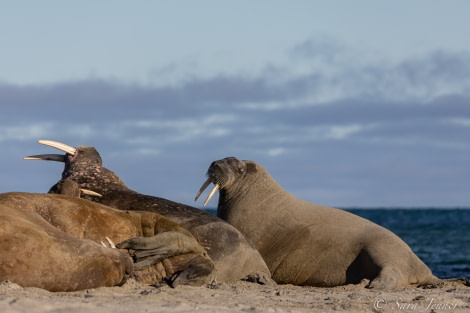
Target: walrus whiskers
[211,178]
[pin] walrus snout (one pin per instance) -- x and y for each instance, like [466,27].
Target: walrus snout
[221,173]
[211,178]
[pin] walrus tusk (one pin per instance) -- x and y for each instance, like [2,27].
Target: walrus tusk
[58,145]
[216,187]
[90,193]
[46,157]
[111,243]
[53,157]
[203,187]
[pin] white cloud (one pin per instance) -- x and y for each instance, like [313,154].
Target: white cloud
[276,152]
[460,121]
[27,132]
[343,131]
[335,132]
[176,130]
[263,105]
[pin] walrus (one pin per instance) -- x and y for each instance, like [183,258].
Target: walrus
[234,258]
[36,254]
[51,241]
[309,244]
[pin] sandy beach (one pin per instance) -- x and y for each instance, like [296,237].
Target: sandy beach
[241,296]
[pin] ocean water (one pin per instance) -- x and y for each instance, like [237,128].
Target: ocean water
[440,237]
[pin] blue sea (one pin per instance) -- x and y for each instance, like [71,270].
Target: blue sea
[440,237]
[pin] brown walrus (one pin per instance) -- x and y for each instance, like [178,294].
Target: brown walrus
[309,244]
[36,254]
[50,241]
[233,256]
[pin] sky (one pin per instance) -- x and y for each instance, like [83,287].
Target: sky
[346,104]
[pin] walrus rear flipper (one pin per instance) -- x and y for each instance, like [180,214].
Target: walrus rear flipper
[196,272]
[184,260]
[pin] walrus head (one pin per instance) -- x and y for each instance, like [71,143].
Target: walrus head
[82,165]
[222,173]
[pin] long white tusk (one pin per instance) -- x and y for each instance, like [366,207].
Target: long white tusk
[90,193]
[203,187]
[46,157]
[216,187]
[111,243]
[58,145]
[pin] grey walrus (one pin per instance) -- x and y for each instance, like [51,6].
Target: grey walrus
[309,244]
[234,258]
[59,235]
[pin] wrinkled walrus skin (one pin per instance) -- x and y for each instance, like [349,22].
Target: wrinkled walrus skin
[309,244]
[234,258]
[51,242]
[36,254]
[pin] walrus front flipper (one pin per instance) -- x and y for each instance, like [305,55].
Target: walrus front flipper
[184,260]
[150,250]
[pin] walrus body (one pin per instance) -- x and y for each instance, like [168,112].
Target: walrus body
[36,254]
[51,242]
[309,244]
[234,258]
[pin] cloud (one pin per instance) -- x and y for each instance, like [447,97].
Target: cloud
[230,108]
[342,72]
[25,131]
[276,151]
[332,135]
